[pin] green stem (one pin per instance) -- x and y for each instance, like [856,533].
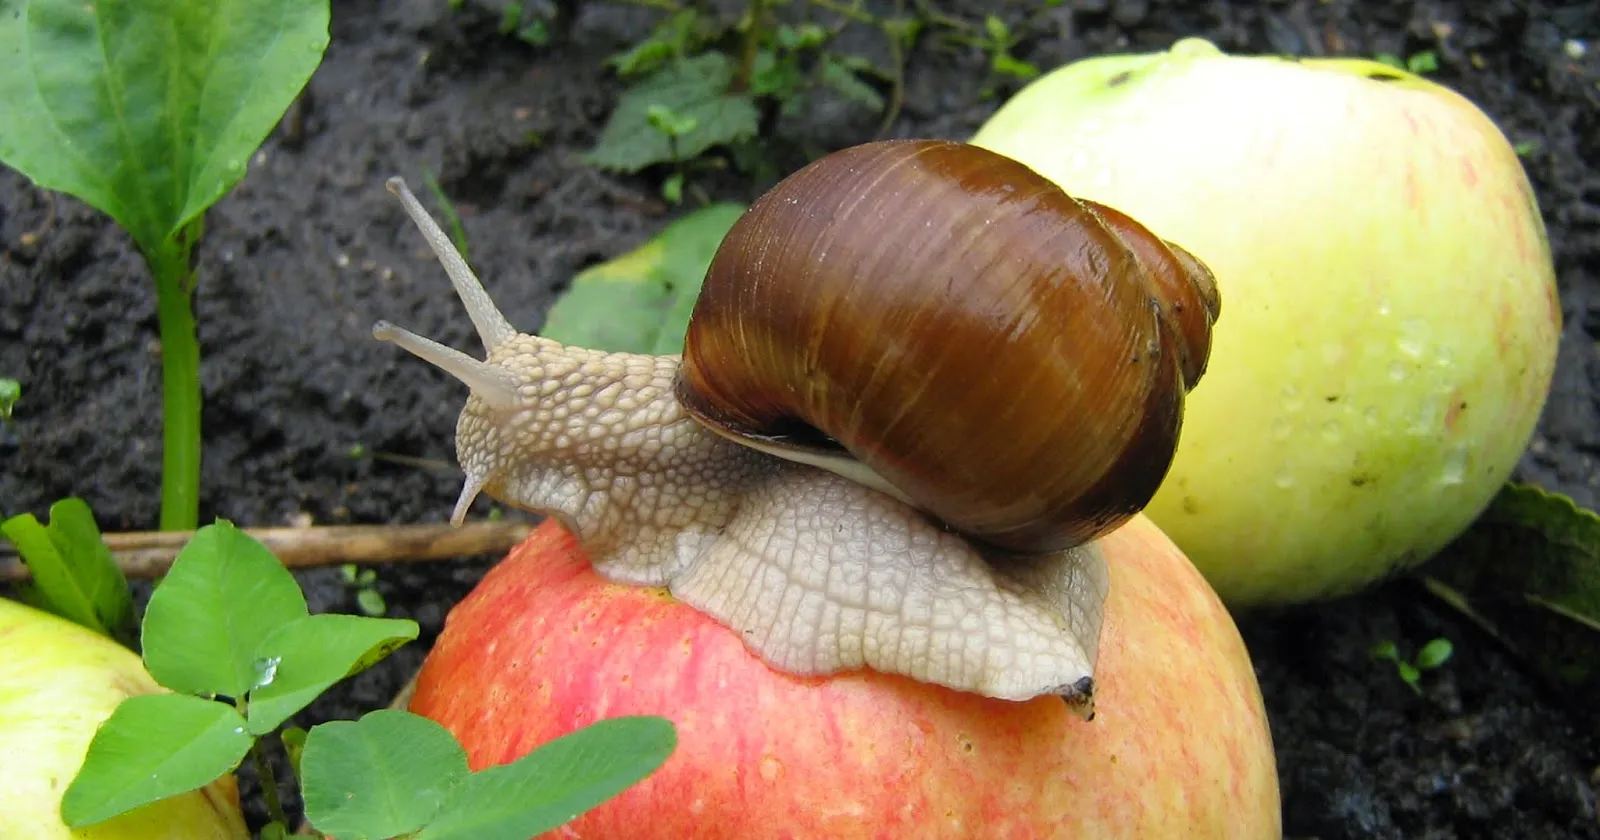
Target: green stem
[180,383]
[269,780]
[269,783]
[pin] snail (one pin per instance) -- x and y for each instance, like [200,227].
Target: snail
[918,383]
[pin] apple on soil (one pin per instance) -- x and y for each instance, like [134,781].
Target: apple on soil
[58,682]
[1179,747]
[1390,313]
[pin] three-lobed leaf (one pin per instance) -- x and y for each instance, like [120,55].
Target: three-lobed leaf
[152,747]
[148,110]
[303,658]
[555,783]
[640,302]
[74,574]
[383,775]
[224,595]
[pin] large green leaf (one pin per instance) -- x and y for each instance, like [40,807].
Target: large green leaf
[381,776]
[149,110]
[152,747]
[555,783]
[223,596]
[640,302]
[306,656]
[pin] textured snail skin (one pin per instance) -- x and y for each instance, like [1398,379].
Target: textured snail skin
[1011,359]
[818,573]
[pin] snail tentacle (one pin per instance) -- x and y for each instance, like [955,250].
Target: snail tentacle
[493,328]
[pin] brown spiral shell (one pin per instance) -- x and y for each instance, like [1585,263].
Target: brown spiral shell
[1012,359]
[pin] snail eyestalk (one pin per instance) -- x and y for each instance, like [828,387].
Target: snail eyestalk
[493,328]
[495,386]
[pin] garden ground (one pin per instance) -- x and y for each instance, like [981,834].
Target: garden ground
[309,251]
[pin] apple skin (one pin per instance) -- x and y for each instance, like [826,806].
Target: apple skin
[1179,746]
[58,682]
[1390,315]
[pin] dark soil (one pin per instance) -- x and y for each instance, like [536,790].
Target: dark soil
[309,251]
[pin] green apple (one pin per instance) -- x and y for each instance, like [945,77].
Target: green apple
[1389,306]
[58,683]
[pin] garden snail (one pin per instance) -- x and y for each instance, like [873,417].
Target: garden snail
[918,382]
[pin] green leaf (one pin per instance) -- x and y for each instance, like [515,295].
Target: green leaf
[555,783]
[1434,654]
[693,89]
[371,602]
[1528,572]
[674,36]
[149,109]
[294,743]
[152,747]
[10,392]
[383,775]
[301,659]
[74,574]
[1423,62]
[640,302]
[223,596]
[849,85]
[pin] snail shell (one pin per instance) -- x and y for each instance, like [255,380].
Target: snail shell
[943,322]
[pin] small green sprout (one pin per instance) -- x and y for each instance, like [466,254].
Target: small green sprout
[10,392]
[1431,656]
[364,581]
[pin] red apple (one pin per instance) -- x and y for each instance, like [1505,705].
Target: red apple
[1179,746]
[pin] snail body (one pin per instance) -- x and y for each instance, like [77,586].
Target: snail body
[805,472]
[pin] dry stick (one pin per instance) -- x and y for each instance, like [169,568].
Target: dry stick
[148,554]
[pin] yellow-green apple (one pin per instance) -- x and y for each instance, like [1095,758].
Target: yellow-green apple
[1390,312]
[1179,745]
[58,683]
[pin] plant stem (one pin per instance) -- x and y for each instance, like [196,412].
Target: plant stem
[751,47]
[269,783]
[180,382]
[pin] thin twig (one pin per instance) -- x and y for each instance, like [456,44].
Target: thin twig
[897,91]
[148,554]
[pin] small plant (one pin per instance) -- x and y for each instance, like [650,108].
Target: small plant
[97,102]
[364,582]
[1420,63]
[1432,655]
[228,632]
[10,392]
[74,575]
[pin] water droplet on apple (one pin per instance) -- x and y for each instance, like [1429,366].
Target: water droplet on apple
[1285,479]
[1397,371]
[1383,308]
[1443,358]
[1371,416]
[1332,432]
[1282,428]
[1455,467]
[1413,340]
[1292,402]
[1427,420]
